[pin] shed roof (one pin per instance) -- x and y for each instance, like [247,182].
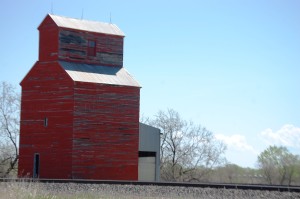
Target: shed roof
[85,25]
[99,74]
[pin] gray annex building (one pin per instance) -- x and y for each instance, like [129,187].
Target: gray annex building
[149,153]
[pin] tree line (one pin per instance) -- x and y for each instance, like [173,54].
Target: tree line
[188,152]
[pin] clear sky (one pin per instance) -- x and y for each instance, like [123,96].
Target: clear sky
[233,66]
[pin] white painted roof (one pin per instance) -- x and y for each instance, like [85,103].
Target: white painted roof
[85,25]
[99,74]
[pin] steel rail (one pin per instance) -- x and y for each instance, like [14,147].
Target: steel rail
[261,187]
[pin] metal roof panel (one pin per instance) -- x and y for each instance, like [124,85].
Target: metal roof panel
[99,74]
[90,26]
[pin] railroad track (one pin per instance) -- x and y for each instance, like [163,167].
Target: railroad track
[177,184]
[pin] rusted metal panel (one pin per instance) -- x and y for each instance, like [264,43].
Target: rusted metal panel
[99,74]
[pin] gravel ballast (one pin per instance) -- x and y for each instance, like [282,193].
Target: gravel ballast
[72,190]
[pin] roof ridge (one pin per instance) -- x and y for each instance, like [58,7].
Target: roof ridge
[86,25]
[73,18]
[82,72]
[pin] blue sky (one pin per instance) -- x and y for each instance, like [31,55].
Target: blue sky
[232,66]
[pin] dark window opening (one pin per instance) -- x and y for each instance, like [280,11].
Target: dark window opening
[45,122]
[147,154]
[91,48]
[36,165]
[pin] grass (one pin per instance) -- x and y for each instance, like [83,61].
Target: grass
[34,190]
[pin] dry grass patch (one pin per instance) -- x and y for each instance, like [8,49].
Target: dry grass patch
[34,190]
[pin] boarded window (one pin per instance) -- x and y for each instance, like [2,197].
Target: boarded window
[91,48]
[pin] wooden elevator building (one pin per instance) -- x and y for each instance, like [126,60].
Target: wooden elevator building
[79,106]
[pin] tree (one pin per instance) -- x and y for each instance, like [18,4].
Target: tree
[188,151]
[9,128]
[232,173]
[278,165]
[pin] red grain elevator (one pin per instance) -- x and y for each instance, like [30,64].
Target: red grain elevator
[79,106]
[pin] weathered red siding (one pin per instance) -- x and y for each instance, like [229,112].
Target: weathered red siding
[47,92]
[73,46]
[93,128]
[48,50]
[106,129]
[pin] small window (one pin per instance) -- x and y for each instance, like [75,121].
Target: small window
[92,44]
[45,122]
[91,48]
